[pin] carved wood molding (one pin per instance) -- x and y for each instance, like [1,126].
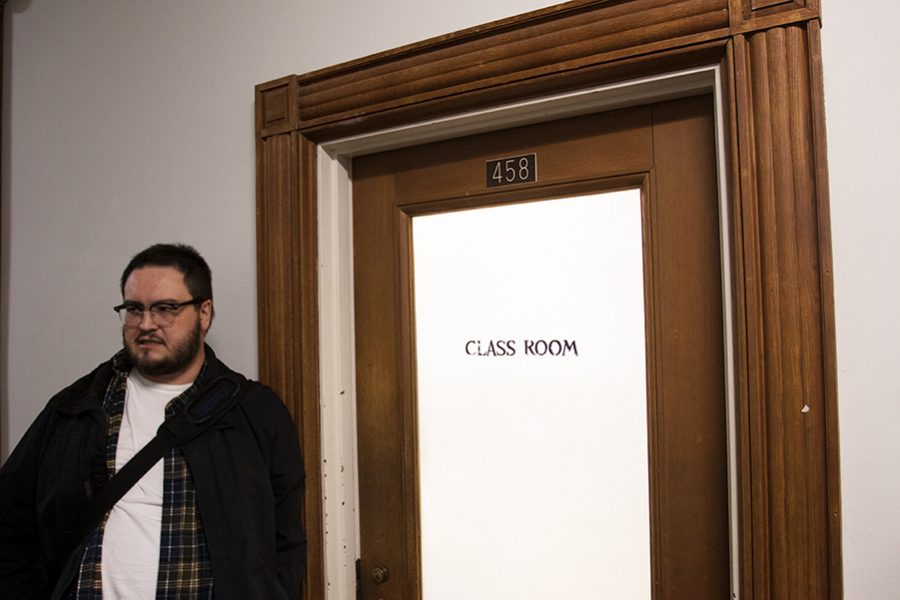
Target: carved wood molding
[277,106]
[287,284]
[545,44]
[755,15]
[789,397]
[520,50]
[789,501]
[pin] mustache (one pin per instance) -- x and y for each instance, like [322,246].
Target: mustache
[148,338]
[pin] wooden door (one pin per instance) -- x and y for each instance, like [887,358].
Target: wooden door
[667,151]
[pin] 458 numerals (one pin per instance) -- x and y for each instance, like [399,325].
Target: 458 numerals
[508,171]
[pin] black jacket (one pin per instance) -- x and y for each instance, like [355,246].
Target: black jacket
[247,471]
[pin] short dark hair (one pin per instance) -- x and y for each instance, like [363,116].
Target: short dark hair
[197,275]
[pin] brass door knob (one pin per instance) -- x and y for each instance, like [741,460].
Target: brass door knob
[380,574]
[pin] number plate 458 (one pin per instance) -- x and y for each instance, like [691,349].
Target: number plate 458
[508,171]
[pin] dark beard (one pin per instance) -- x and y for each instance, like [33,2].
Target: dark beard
[180,358]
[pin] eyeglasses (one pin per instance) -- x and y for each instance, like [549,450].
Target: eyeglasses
[161,313]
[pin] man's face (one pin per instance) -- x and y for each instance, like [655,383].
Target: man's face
[170,353]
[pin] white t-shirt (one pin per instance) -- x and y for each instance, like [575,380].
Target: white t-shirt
[130,556]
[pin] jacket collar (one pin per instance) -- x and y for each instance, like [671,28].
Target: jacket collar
[87,394]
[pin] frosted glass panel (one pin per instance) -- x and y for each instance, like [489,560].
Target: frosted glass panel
[532,401]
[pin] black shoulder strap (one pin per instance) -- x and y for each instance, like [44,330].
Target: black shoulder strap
[214,400]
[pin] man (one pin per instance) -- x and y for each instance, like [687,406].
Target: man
[217,517]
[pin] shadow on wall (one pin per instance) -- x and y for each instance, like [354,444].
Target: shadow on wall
[18,6]
[6,7]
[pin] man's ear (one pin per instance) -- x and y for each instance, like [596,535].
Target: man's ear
[206,315]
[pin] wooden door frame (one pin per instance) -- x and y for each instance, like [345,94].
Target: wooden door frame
[768,55]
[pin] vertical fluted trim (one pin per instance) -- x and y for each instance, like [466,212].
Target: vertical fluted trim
[287,284]
[787,296]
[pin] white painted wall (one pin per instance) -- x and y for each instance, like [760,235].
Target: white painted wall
[128,122]
[862,95]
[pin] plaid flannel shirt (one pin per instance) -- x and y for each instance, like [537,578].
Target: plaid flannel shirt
[184,565]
